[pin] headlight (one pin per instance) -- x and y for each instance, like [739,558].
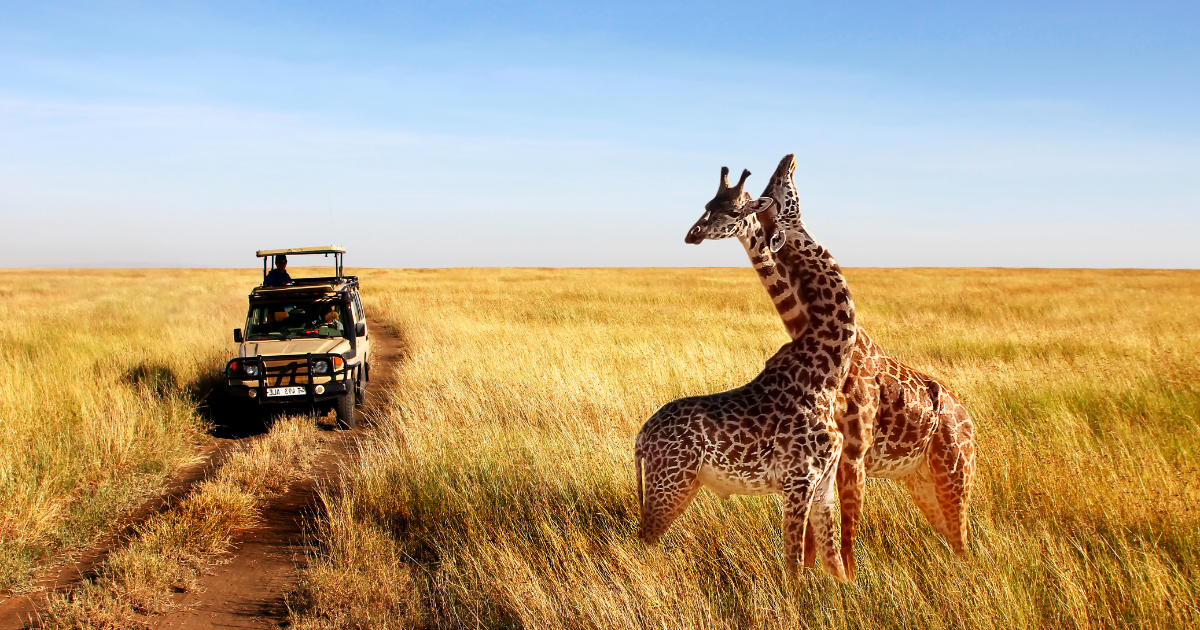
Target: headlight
[321,367]
[250,370]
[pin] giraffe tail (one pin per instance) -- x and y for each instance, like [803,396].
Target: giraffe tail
[637,471]
[935,391]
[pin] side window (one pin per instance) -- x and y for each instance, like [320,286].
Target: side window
[358,310]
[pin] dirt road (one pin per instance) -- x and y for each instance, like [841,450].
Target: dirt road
[247,591]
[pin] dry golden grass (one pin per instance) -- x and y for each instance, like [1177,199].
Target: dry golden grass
[498,490]
[102,373]
[170,551]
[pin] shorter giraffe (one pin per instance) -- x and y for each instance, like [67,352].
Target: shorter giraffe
[774,435]
[896,422]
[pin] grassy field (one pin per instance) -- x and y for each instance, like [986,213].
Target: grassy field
[498,489]
[102,373]
[172,550]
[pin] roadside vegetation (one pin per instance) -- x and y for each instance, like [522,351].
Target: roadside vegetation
[171,550]
[498,491]
[103,371]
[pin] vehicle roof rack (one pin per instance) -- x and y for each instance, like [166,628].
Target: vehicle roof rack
[338,253]
[319,249]
[323,288]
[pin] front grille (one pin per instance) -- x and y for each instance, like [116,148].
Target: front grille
[290,372]
[286,371]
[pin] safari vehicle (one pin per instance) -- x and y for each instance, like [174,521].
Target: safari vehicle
[304,343]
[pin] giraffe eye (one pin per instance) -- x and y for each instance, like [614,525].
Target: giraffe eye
[706,216]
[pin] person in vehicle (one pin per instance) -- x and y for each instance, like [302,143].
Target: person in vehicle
[331,319]
[279,276]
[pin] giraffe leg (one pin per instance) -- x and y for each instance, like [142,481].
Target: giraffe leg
[810,547]
[849,491]
[822,520]
[862,402]
[952,464]
[669,491]
[852,481]
[924,493]
[797,506]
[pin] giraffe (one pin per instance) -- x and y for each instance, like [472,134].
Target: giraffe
[896,422]
[774,435]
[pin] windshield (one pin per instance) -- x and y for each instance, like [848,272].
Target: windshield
[289,320]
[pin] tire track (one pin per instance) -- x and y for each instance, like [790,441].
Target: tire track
[247,591]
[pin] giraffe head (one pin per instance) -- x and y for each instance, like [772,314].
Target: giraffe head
[782,188]
[725,215]
[778,208]
[767,211]
[780,227]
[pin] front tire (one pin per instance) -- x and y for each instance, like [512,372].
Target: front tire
[360,390]
[344,409]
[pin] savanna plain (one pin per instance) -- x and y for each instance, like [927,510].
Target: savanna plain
[495,487]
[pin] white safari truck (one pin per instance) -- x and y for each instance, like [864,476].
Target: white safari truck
[304,343]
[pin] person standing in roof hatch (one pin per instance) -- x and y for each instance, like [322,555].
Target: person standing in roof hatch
[279,276]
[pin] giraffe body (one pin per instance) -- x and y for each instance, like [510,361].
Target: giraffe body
[774,435]
[896,422]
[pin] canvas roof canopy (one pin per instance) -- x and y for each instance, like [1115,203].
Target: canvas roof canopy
[319,249]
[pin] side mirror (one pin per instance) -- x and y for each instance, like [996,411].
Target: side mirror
[237,335]
[360,329]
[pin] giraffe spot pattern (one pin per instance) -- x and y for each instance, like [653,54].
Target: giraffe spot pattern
[885,411]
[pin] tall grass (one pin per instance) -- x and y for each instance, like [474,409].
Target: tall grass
[172,549]
[498,489]
[101,373]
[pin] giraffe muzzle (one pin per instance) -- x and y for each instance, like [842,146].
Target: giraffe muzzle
[694,237]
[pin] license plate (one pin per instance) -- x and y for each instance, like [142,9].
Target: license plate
[285,391]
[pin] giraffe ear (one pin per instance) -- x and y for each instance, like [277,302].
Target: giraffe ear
[777,241]
[760,204]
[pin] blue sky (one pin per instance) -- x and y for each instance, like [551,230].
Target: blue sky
[549,134]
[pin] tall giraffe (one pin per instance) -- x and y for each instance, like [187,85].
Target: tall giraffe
[897,423]
[774,435]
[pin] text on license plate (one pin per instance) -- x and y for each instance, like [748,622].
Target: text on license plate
[285,391]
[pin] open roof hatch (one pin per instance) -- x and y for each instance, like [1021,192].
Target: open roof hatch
[268,254]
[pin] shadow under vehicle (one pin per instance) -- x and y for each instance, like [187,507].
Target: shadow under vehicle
[305,343]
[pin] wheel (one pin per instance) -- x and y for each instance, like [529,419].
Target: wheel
[344,409]
[360,393]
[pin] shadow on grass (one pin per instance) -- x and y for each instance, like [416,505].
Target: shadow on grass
[234,418]
[155,379]
[226,416]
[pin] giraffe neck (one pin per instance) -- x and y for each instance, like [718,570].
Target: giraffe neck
[830,335]
[780,285]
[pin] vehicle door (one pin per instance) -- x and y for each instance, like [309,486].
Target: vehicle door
[363,341]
